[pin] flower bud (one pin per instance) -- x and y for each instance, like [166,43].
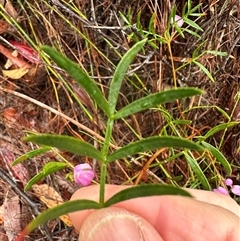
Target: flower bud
[221,190]
[83,174]
[179,21]
[229,182]
[236,190]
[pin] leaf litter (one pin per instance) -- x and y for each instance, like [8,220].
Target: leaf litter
[49,86]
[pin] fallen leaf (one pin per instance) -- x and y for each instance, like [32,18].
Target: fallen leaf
[18,171]
[3,26]
[50,198]
[26,51]
[12,220]
[15,73]
[1,214]
[10,9]
[17,61]
[9,62]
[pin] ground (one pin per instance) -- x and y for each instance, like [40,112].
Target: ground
[95,34]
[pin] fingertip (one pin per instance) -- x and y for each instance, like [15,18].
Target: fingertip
[117,224]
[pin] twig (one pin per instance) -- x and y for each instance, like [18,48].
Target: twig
[36,102]
[23,195]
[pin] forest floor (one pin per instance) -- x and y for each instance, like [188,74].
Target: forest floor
[96,34]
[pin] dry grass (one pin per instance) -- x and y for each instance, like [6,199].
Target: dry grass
[96,40]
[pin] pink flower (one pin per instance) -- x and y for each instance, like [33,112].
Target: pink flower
[236,190]
[229,182]
[83,174]
[221,190]
[179,21]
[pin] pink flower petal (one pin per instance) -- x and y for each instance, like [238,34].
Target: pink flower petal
[179,21]
[83,174]
[229,182]
[221,190]
[236,190]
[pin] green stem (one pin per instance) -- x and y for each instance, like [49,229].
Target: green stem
[102,183]
[105,151]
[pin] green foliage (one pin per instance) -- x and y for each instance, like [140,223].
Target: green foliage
[67,143]
[120,73]
[48,169]
[219,156]
[156,99]
[197,170]
[31,154]
[152,143]
[80,76]
[126,194]
[104,155]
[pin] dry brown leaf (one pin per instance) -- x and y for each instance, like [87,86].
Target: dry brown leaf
[18,171]
[10,9]
[9,63]
[12,220]
[3,26]
[50,198]
[15,73]
[1,214]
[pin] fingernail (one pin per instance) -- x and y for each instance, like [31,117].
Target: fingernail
[114,225]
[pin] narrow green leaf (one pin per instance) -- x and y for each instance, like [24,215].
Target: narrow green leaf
[67,207]
[80,76]
[120,72]
[152,143]
[218,128]
[198,171]
[219,156]
[67,143]
[192,23]
[204,69]
[145,191]
[195,9]
[192,32]
[48,169]
[156,99]
[214,52]
[31,154]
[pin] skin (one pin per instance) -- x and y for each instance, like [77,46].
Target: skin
[208,216]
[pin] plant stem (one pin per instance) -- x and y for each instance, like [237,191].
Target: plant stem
[102,183]
[172,63]
[105,151]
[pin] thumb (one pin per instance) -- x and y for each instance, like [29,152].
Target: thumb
[117,224]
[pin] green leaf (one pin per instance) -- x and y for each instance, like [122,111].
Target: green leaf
[145,191]
[48,169]
[152,143]
[204,69]
[156,99]
[80,76]
[120,72]
[192,23]
[219,156]
[192,32]
[67,143]
[218,128]
[31,154]
[219,53]
[198,171]
[67,207]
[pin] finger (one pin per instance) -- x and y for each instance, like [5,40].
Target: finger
[170,213]
[92,193]
[116,224]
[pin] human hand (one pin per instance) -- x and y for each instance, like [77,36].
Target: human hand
[208,216]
